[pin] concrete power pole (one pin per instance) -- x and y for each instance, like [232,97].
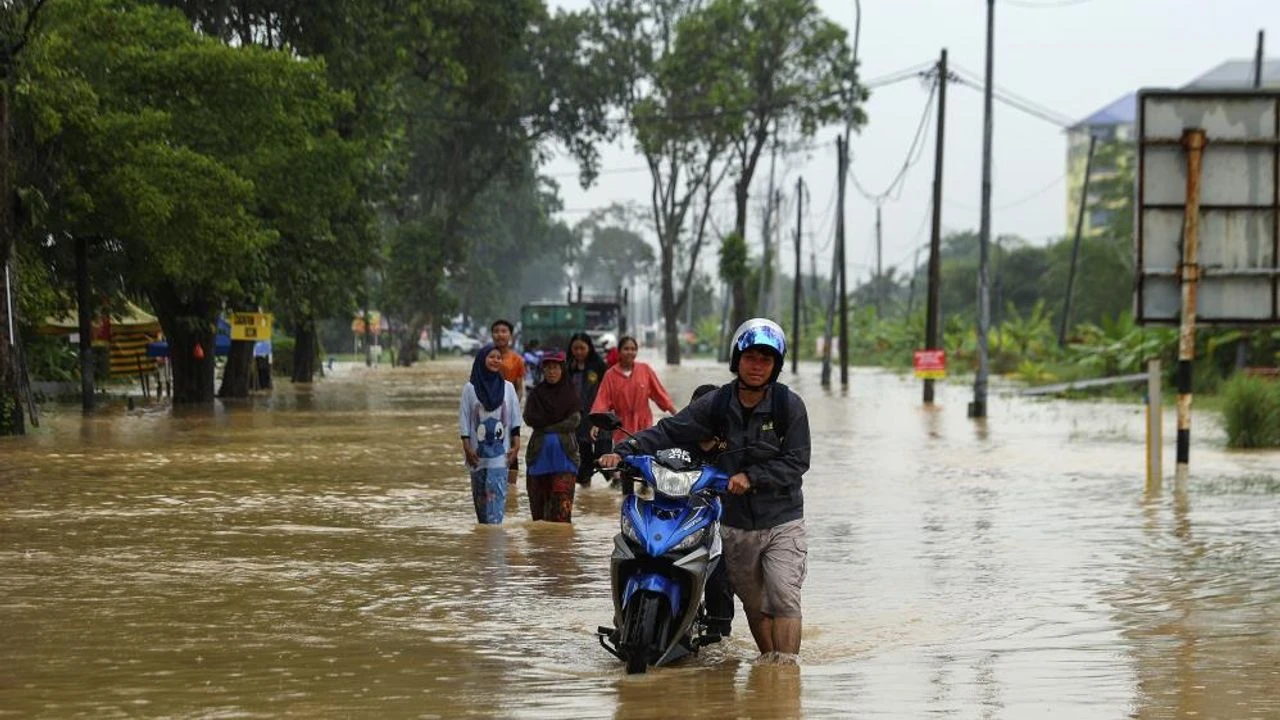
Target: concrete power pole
[932,303]
[879,267]
[797,287]
[978,408]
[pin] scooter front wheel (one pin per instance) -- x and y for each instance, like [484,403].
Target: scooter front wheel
[641,628]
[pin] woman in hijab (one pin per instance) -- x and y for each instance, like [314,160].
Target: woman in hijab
[552,410]
[489,420]
[586,370]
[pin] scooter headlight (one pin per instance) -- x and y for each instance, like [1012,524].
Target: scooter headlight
[672,483]
[691,540]
[629,529]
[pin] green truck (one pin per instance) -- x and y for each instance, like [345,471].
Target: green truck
[551,324]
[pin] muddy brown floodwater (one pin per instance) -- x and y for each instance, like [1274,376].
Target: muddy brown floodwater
[314,554]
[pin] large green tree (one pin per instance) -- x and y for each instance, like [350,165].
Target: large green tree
[19,24]
[491,85]
[327,229]
[783,71]
[187,151]
[515,251]
[613,256]
[673,104]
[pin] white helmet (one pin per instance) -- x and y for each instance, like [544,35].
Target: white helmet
[762,334]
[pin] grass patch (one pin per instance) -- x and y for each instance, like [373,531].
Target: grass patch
[1251,412]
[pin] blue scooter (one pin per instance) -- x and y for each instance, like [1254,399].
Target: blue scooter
[667,547]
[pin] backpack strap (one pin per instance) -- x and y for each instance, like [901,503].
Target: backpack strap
[781,410]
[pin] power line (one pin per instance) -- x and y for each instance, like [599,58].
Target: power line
[1052,119]
[970,79]
[714,114]
[1015,203]
[1045,5]
[914,152]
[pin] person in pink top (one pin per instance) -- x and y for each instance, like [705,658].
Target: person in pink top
[627,389]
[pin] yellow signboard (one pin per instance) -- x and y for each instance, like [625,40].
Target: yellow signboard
[251,326]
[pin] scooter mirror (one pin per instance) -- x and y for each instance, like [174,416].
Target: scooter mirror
[605,420]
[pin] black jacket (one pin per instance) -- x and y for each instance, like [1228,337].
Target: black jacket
[775,466]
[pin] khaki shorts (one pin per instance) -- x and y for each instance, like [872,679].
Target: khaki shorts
[767,567]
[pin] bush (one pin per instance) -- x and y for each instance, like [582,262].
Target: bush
[1251,412]
[52,358]
[282,356]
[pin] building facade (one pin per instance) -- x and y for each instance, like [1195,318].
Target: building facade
[1117,122]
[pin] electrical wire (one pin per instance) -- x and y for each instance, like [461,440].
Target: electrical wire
[1046,5]
[914,152]
[971,80]
[1014,203]
[717,113]
[1056,121]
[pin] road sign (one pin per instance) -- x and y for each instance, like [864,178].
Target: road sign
[1238,275]
[930,364]
[251,326]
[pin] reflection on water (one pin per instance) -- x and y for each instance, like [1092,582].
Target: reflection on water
[314,553]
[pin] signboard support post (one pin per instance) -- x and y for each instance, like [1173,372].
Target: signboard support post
[1193,140]
[1155,425]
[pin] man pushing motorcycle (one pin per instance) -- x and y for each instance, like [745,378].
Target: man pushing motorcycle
[764,428]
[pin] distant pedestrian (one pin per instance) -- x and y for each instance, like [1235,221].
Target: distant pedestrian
[552,413]
[489,421]
[627,389]
[586,370]
[512,369]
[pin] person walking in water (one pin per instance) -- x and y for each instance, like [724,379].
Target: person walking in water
[552,411]
[489,421]
[627,389]
[513,370]
[586,370]
[764,431]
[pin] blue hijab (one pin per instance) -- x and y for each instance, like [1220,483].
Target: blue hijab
[490,387]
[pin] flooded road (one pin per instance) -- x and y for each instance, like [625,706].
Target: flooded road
[315,554]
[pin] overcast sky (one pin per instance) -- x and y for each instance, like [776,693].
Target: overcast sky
[1069,56]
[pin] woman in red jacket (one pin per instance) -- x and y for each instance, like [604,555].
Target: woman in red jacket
[627,389]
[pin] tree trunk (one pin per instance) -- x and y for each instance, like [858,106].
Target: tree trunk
[12,420]
[11,417]
[738,314]
[368,340]
[85,310]
[304,352]
[670,313]
[192,375]
[237,374]
[409,347]
[188,324]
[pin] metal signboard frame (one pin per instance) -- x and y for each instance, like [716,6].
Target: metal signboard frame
[1238,265]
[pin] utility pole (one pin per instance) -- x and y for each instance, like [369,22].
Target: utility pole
[879,268]
[1075,246]
[813,269]
[1246,338]
[844,272]
[935,237]
[766,262]
[836,261]
[978,408]
[796,290]
[1257,61]
[911,286]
